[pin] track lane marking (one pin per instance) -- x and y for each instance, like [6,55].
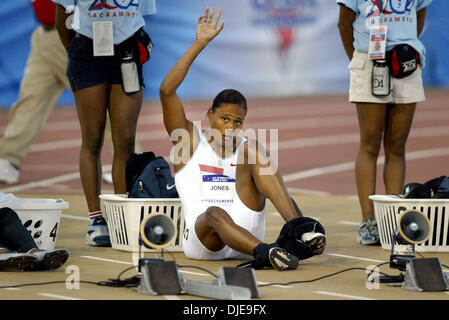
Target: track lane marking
[335,294]
[345,166]
[412,155]
[353,257]
[56,296]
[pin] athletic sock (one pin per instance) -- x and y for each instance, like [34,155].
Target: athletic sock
[95,214]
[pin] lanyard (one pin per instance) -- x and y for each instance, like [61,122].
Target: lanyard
[103,6]
[383,4]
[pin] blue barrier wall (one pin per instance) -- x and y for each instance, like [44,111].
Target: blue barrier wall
[246,55]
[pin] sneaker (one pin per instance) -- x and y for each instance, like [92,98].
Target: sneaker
[17,261]
[314,240]
[48,259]
[98,233]
[271,255]
[8,173]
[107,177]
[282,260]
[368,233]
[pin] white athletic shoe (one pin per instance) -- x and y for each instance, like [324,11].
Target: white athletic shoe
[8,173]
[107,177]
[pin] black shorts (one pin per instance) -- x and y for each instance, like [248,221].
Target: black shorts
[84,70]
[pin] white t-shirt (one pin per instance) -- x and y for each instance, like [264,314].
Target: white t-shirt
[398,15]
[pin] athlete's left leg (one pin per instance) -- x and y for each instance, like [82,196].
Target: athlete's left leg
[215,229]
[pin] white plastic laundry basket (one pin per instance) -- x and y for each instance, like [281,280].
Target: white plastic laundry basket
[124,215]
[41,217]
[387,209]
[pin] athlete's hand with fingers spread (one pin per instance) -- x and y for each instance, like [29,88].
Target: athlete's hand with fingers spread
[207,26]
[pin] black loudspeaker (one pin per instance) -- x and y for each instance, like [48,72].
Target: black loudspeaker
[241,277]
[413,227]
[157,231]
[425,275]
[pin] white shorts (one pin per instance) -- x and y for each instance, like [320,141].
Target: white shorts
[251,220]
[405,90]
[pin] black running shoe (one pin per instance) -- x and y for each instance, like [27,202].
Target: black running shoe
[49,259]
[282,260]
[17,261]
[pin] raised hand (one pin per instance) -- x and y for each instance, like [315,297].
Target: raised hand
[207,26]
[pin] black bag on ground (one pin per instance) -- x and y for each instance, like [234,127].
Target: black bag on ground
[148,176]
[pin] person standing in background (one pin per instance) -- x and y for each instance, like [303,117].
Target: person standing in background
[380,38]
[43,82]
[106,46]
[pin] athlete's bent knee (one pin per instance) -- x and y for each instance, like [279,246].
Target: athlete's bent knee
[216,216]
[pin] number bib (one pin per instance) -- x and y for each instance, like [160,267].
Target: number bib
[218,189]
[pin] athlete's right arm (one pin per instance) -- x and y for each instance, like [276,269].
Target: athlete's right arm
[173,111]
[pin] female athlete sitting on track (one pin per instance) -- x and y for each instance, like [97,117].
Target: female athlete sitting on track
[223,192]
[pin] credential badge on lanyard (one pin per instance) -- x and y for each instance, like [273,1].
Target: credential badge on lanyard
[378,37]
[103,36]
[380,76]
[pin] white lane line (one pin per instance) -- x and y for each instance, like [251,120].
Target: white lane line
[56,296]
[47,182]
[318,171]
[353,257]
[277,214]
[42,183]
[168,297]
[107,260]
[131,263]
[51,167]
[289,124]
[68,216]
[413,155]
[340,295]
[308,192]
[11,289]
[262,112]
[195,273]
[349,223]
[420,154]
[331,121]
[354,137]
